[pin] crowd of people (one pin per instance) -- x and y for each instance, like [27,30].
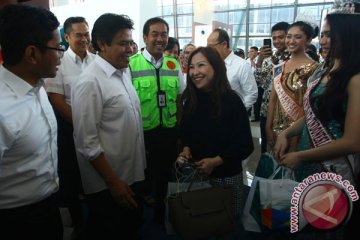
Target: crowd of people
[97,127]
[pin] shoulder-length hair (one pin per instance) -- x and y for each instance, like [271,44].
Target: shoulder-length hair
[344,36]
[219,86]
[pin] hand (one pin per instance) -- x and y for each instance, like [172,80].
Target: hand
[186,153]
[281,145]
[270,138]
[291,160]
[123,194]
[207,165]
[265,51]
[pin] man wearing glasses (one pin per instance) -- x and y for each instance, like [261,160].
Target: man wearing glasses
[75,60]
[30,43]
[238,71]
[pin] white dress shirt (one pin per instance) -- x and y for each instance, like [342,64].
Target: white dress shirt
[107,119]
[241,79]
[69,71]
[158,63]
[28,143]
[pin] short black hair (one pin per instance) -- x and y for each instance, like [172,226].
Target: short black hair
[107,26]
[72,20]
[171,43]
[280,26]
[151,21]
[255,48]
[24,25]
[223,36]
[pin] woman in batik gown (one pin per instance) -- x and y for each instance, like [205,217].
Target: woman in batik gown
[289,85]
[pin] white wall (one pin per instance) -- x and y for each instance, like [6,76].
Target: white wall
[138,10]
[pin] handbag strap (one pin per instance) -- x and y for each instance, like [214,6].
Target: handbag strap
[283,170]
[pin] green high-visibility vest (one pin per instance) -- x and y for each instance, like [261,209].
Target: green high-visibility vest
[145,80]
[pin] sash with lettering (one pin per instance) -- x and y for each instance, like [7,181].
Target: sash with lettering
[321,135]
[288,103]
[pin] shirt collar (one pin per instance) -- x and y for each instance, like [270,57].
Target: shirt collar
[75,57]
[108,68]
[17,84]
[229,58]
[151,59]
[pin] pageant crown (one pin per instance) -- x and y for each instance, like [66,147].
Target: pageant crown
[346,6]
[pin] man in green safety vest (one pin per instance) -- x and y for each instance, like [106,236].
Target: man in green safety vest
[158,81]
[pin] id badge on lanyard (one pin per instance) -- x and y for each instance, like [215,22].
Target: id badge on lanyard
[161,99]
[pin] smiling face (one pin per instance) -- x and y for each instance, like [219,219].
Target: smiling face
[157,39]
[201,72]
[119,51]
[278,39]
[79,38]
[296,40]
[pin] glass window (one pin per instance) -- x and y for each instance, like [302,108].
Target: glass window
[259,16]
[185,21]
[185,32]
[221,5]
[221,17]
[236,4]
[239,42]
[255,41]
[282,14]
[184,8]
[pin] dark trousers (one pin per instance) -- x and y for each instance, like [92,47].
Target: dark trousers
[69,173]
[109,220]
[161,152]
[263,134]
[257,104]
[40,221]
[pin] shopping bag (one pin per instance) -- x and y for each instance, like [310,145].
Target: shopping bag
[268,204]
[266,165]
[275,202]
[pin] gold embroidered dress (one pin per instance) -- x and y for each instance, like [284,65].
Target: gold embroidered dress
[290,88]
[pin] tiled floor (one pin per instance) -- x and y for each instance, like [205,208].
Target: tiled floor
[153,231]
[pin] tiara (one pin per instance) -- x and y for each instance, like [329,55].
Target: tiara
[346,6]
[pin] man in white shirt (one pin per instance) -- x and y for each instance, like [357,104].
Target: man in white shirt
[108,133]
[238,71]
[28,131]
[75,60]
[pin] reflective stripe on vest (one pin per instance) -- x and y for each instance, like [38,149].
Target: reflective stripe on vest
[145,82]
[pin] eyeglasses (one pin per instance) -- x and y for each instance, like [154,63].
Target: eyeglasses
[59,50]
[213,44]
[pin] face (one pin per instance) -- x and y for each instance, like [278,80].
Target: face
[325,39]
[189,49]
[135,49]
[213,42]
[78,38]
[278,39]
[157,39]
[252,53]
[174,52]
[119,51]
[201,72]
[47,66]
[296,40]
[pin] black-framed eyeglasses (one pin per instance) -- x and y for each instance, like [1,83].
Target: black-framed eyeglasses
[60,50]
